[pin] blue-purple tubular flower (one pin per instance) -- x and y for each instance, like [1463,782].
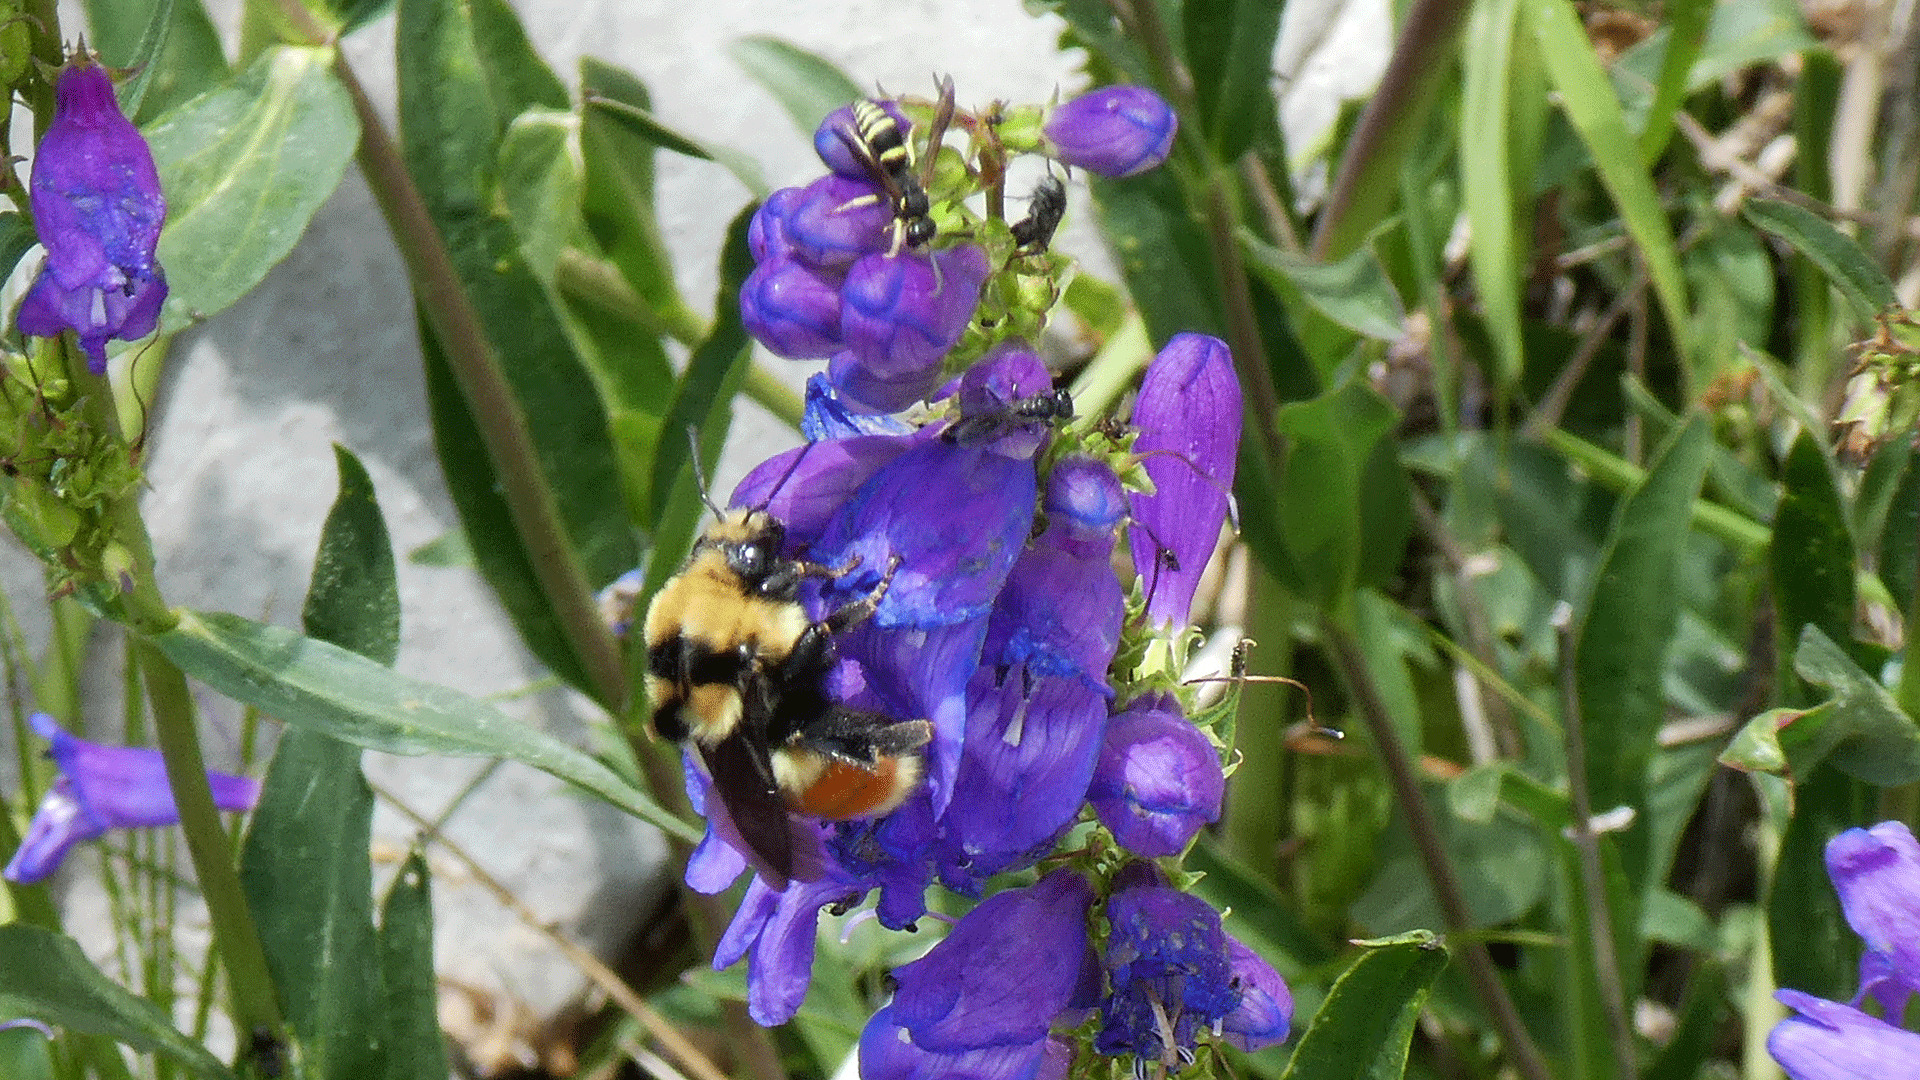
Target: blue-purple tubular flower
[1876,871]
[1159,781]
[1265,1013]
[97,207]
[836,221]
[792,310]
[1832,1041]
[1189,421]
[899,317]
[989,993]
[1167,970]
[1113,131]
[101,788]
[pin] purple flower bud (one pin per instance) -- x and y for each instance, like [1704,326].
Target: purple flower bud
[1876,871]
[1167,971]
[836,221]
[837,135]
[899,317]
[1113,131]
[1266,1005]
[1158,781]
[791,310]
[1189,420]
[101,788]
[1008,968]
[1831,1041]
[98,207]
[767,232]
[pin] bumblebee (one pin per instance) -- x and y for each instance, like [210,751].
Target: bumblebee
[1045,209]
[735,665]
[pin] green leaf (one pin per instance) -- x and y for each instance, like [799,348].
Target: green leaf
[1263,919]
[1502,868]
[1366,1024]
[1626,627]
[245,166]
[1487,177]
[1161,251]
[354,14]
[188,59]
[806,85]
[1751,32]
[1697,1037]
[448,549]
[310,887]
[353,600]
[1229,46]
[1811,556]
[1686,28]
[321,687]
[452,121]
[1868,735]
[16,239]
[644,125]
[515,76]
[415,1049]
[1587,97]
[1899,559]
[1814,950]
[1330,441]
[1838,255]
[44,976]
[1354,292]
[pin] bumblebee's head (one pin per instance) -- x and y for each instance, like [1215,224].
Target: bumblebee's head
[750,540]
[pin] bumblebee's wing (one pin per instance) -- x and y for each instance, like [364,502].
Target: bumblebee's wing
[862,737]
[743,778]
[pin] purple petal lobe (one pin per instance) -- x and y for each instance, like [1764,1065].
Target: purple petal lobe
[827,417]
[1005,971]
[836,136]
[1023,775]
[1877,874]
[806,486]
[888,1052]
[836,221]
[1113,131]
[1831,1041]
[1189,420]
[1265,1013]
[1158,781]
[767,232]
[791,310]
[58,824]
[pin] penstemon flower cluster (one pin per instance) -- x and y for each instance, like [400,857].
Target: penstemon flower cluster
[1067,772]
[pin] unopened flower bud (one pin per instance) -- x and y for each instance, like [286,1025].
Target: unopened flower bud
[791,310]
[1114,131]
[1158,780]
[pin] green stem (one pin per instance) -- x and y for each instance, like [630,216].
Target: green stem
[450,314]
[251,996]
[1482,976]
[771,394]
[1907,693]
[1257,799]
[1622,475]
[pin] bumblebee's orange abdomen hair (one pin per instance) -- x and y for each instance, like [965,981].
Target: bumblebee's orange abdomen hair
[844,790]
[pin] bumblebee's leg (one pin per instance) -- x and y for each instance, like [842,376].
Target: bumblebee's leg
[786,579]
[809,652]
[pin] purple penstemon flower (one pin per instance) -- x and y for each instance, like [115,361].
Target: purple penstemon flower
[101,788]
[1188,416]
[1159,780]
[1876,871]
[97,207]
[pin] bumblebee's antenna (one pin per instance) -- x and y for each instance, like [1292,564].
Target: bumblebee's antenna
[805,449]
[699,474]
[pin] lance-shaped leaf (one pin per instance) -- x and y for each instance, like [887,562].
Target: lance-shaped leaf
[1366,1024]
[415,1048]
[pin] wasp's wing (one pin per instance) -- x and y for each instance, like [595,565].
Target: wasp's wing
[862,737]
[743,779]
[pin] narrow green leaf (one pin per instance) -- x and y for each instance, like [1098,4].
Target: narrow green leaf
[324,688]
[1749,33]
[44,976]
[1899,546]
[188,61]
[415,1050]
[452,121]
[1838,255]
[1487,177]
[1354,292]
[1626,627]
[1586,94]
[1364,1028]
[310,888]
[353,600]
[1229,47]
[245,167]
[1814,950]
[153,39]
[446,550]
[806,85]
[1686,27]
[645,125]
[1811,557]
[517,78]
[354,14]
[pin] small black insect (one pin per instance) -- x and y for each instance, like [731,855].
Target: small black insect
[1045,407]
[1044,210]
